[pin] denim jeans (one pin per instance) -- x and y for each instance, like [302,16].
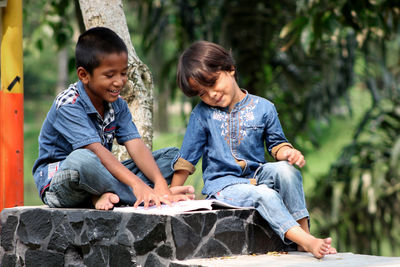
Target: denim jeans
[82,175]
[278,196]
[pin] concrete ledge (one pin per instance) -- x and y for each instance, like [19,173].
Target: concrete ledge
[294,259]
[41,236]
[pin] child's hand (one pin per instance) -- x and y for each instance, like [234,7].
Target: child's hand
[173,194]
[145,194]
[293,156]
[185,190]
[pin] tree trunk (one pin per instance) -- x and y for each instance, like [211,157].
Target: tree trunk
[138,91]
[62,70]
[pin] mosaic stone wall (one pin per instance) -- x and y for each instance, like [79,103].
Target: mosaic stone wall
[41,236]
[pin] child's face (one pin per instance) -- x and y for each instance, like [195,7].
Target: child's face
[107,80]
[224,93]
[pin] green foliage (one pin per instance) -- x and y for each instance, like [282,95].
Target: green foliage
[34,114]
[48,27]
[361,193]
[356,201]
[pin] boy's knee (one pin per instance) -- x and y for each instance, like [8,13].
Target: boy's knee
[80,158]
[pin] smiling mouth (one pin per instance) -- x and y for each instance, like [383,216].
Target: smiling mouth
[115,91]
[218,100]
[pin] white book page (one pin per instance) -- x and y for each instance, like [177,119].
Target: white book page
[179,207]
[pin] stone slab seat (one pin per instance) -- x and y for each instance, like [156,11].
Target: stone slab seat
[43,236]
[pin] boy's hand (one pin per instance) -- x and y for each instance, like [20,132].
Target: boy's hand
[165,194]
[294,156]
[174,194]
[147,195]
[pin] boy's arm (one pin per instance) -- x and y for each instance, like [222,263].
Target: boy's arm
[143,193]
[143,158]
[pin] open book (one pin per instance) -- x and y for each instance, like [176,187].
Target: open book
[181,206]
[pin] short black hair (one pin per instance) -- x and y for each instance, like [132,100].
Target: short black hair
[94,43]
[202,62]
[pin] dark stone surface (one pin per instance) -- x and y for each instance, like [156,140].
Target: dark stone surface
[43,258]
[153,261]
[8,232]
[213,248]
[201,223]
[101,225]
[98,256]
[61,238]
[185,238]
[40,236]
[165,251]
[34,226]
[231,231]
[151,240]
[121,256]
[9,261]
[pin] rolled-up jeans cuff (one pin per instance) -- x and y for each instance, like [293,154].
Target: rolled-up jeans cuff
[182,164]
[300,214]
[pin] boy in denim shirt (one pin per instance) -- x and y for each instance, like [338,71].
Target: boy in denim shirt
[229,129]
[75,167]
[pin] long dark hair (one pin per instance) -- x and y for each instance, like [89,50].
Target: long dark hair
[202,63]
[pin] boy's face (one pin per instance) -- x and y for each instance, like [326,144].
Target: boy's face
[107,80]
[224,93]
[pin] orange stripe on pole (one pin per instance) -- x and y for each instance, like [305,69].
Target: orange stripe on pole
[11,107]
[12,150]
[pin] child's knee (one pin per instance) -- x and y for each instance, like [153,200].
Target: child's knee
[287,169]
[80,158]
[264,194]
[279,171]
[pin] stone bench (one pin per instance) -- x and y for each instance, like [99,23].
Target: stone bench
[42,236]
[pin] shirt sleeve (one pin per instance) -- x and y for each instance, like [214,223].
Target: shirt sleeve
[74,124]
[194,140]
[126,129]
[274,132]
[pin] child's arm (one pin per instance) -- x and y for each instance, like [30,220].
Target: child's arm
[143,193]
[292,155]
[143,158]
[179,178]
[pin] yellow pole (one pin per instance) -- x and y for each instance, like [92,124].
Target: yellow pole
[11,108]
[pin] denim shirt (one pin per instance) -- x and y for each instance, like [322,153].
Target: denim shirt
[72,123]
[226,138]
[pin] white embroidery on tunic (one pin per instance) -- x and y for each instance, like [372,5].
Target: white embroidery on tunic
[245,114]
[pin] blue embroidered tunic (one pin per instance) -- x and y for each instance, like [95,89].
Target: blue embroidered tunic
[233,143]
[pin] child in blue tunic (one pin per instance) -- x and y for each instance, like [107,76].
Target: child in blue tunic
[229,129]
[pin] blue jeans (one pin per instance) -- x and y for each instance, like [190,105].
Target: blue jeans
[82,175]
[278,196]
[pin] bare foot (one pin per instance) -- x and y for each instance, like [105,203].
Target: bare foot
[332,250]
[319,247]
[106,201]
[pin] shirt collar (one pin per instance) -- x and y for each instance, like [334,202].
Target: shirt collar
[89,108]
[239,104]
[242,102]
